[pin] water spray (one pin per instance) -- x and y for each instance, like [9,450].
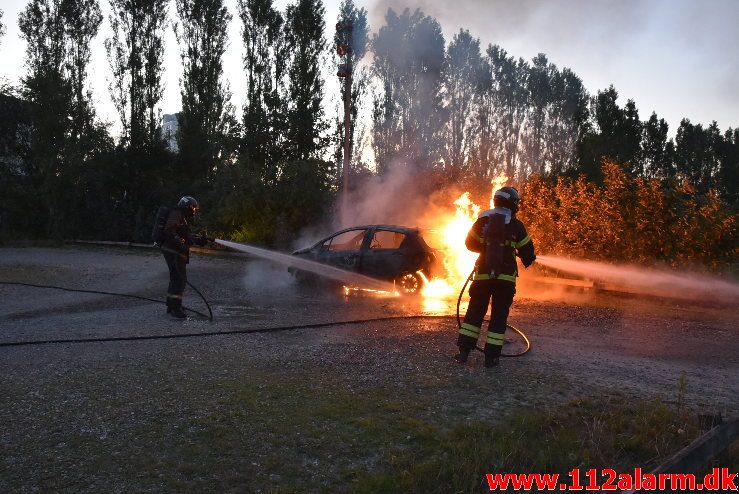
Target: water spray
[648,281]
[346,277]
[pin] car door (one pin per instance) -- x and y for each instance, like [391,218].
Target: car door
[383,258]
[343,250]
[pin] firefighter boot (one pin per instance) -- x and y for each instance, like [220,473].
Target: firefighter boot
[461,357]
[175,310]
[492,355]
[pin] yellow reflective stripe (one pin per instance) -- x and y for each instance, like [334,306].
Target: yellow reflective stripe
[485,276]
[470,327]
[496,338]
[469,333]
[523,242]
[476,237]
[173,296]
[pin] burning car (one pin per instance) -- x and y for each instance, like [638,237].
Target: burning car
[386,252]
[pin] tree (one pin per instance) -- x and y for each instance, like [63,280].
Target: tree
[464,73]
[264,133]
[350,15]
[501,114]
[135,53]
[306,44]
[82,20]
[630,140]
[566,116]
[64,135]
[614,134]
[408,112]
[142,164]
[656,149]
[728,174]
[698,154]
[206,116]
[539,89]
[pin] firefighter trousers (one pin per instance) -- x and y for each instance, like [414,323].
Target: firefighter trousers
[177,279]
[481,292]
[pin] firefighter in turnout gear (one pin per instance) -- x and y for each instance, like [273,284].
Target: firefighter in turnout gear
[175,241]
[498,236]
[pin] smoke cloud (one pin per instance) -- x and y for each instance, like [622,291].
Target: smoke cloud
[674,57]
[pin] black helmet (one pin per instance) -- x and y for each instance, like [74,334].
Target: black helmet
[506,197]
[189,203]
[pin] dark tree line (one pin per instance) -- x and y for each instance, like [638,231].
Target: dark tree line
[65,176]
[458,111]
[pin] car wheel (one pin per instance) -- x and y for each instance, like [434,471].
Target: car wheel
[409,284]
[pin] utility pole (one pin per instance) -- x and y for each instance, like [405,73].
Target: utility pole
[344,49]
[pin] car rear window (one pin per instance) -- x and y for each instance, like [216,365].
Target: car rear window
[385,239]
[351,240]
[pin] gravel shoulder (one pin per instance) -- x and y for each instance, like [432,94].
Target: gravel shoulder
[275,409]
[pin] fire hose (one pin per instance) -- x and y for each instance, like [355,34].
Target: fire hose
[115,294]
[230,332]
[459,324]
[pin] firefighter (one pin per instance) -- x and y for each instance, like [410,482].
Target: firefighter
[498,236]
[176,242]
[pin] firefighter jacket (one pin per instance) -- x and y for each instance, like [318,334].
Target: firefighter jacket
[516,243]
[177,235]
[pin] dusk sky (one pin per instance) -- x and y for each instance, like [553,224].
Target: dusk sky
[679,58]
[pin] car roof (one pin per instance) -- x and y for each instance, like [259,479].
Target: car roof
[392,228]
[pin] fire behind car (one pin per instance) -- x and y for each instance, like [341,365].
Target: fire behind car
[386,252]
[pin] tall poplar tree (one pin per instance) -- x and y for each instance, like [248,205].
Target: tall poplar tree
[306,45]
[656,149]
[135,53]
[538,83]
[408,112]
[203,123]
[265,106]
[82,21]
[500,117]
[349,14]
[565,118]
[58,35]
[143,169]
[464,75]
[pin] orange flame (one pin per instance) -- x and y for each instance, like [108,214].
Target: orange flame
[458,261]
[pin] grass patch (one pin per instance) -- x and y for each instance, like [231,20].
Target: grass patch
[327,437]
[311,430]
[615,433]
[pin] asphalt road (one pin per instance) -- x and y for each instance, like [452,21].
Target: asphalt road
[584,345]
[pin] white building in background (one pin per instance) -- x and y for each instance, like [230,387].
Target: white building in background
[169,131]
